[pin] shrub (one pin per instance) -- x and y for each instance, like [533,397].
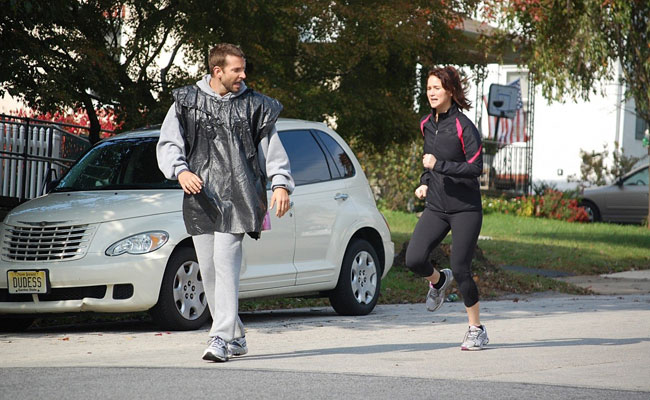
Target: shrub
[393,174]
[551,204]
[595,172]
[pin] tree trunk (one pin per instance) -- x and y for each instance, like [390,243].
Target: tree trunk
[95,128]
[648,217]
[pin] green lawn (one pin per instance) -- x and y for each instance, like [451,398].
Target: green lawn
[551,244]
[572,247]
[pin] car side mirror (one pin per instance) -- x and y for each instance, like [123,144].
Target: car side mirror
[50,183]
[619,183]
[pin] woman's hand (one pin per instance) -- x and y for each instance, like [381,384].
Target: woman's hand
[190,183]
[429,161]
[421,192]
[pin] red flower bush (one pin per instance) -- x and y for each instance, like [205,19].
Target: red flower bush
[552,204]
[106,116]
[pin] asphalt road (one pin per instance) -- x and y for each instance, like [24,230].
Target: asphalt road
[216,383]
[587,347]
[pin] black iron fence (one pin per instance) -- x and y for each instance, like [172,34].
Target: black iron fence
[30,150]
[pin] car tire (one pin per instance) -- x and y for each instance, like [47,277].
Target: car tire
[357,290]
[15,324]
[592,210]
[182,304]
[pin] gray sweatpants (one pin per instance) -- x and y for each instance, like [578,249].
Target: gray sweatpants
[220,256]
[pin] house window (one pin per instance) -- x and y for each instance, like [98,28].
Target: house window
[641,126]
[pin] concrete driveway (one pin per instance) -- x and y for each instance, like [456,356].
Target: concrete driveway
[540,347]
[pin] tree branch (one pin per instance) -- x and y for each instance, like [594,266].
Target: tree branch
[163,71]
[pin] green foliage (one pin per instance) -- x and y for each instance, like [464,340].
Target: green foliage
[621,164]
[541,187]
[574,60]
[356,63]
[393,174]
[594,170]
[348,62]
[551,204]
[93,54]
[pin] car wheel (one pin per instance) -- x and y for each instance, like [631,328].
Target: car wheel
[357,290]
[592,210]
[15,324]
[182,304]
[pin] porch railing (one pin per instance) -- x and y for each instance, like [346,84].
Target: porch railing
[507,168]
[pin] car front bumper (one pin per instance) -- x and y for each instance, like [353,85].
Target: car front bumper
[93,283]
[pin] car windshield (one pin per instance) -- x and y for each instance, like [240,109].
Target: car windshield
[117,164]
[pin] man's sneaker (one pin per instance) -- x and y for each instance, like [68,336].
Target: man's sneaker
[475,338]
[436,297]
[217,350]
[238,347]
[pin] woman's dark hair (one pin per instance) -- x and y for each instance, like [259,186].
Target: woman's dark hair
[453,83]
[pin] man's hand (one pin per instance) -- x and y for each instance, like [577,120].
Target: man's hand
[421,192]
[429,161]
[280,196]
[190,183]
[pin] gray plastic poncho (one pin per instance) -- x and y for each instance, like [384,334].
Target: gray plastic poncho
[221,140]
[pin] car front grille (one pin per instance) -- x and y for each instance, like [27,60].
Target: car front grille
[46,243]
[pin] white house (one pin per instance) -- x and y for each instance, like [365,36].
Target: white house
[561,130]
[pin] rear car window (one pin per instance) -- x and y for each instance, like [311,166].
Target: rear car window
[308,162]
[343,167]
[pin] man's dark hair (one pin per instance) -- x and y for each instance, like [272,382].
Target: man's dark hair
[219,52]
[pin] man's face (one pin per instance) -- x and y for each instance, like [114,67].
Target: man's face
[232,74]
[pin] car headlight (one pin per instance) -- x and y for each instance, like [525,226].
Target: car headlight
[141,243]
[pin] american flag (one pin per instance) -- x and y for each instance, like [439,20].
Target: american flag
[510,130]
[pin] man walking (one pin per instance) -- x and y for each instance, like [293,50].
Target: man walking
[219,140]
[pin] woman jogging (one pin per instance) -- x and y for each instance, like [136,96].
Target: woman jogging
[452,161]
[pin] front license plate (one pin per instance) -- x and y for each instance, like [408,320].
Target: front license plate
[28,281]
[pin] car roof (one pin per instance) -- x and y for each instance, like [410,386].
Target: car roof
[283,124]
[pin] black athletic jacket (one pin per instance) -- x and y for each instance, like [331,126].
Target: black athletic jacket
[455,142]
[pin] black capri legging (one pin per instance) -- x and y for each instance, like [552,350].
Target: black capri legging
[430,230]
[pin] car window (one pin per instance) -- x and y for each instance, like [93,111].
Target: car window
[638,179]
[117,164]
[343,167]
[308,163]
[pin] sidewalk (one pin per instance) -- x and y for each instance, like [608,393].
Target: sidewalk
[583,341]
[629,282]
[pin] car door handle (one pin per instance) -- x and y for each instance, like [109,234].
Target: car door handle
[341,196]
